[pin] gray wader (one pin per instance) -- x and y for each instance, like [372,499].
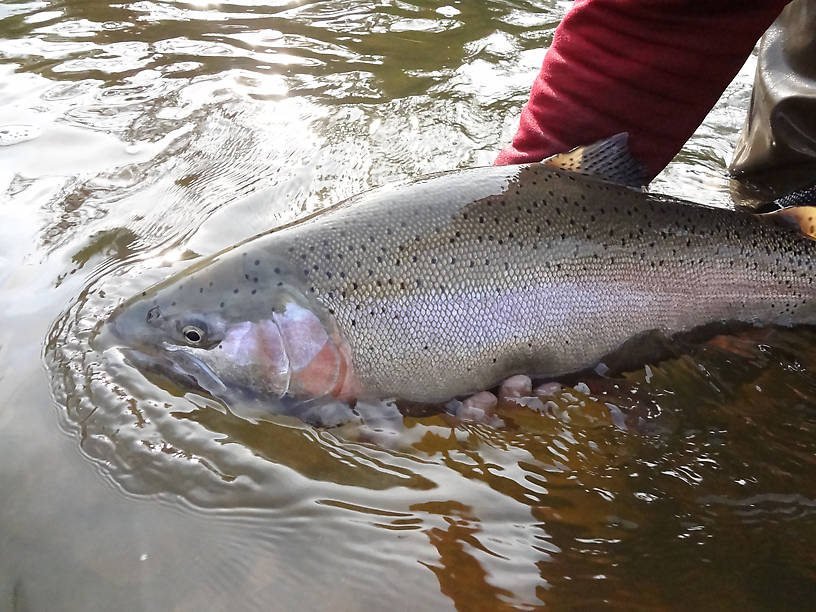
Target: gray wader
[777,146]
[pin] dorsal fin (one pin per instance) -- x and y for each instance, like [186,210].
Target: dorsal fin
[608,159]
[801,217]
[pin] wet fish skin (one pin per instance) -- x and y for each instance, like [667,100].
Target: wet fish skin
[448,285]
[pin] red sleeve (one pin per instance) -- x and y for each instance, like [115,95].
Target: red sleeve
[652,68]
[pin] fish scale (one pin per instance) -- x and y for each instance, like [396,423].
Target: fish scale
[447,285]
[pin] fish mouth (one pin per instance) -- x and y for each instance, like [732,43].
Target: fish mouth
[190,374]
[195,368]
[177,366]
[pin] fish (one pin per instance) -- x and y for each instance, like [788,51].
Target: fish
[445,286]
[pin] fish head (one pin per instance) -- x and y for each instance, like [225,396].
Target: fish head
[237,324]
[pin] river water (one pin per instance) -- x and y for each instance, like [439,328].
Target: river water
[137,136]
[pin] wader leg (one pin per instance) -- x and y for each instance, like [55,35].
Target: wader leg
[779,134]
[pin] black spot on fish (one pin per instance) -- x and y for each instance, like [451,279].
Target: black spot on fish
[257,262]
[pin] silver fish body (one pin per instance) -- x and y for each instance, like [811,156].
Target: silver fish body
[447,285]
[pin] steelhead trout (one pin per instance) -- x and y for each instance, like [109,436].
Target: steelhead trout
[446,286]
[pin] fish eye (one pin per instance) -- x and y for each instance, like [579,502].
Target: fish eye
[193,334]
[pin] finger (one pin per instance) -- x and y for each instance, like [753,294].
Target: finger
[547,389]
[516,386]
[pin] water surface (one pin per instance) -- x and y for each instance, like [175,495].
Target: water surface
[135,137]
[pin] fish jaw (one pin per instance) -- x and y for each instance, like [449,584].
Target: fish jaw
[178,366]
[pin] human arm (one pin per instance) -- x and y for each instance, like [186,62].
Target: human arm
[651,68]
